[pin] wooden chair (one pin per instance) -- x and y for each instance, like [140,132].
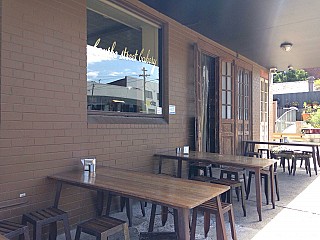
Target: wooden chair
[265,173]
[102,228]
[210,207]
[158,236]
[233,184]
[11,230]
[49,216]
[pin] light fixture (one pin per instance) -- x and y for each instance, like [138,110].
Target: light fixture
[286,46]
[290,67]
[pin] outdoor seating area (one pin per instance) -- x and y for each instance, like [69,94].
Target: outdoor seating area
[140,119]
[245,227]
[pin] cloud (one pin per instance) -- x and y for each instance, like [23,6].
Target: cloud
[114,74]
[92,74]
[95,55]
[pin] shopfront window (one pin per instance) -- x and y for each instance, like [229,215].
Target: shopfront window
[123,61]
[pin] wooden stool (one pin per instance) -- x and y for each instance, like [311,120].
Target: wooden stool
[127,202]
[10,230]
[210,207]
[158,236]
[233,184]
[103,227]
[264,151]
[265,175]
[44,217]
[164,216]
[195,167]
[233,173]
[302,156]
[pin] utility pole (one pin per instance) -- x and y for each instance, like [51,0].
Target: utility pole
[92,96]
[144,75]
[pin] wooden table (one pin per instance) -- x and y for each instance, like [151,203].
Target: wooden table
[180,194]
[255,164]
[250,146]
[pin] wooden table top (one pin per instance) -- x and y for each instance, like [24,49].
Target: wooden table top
[159,189]
[302,144]
[223,159]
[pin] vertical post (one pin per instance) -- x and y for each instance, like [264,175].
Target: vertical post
[144,75]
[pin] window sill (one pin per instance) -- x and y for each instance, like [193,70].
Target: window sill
[124,118]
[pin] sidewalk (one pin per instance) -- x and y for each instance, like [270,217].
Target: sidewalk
[297,214]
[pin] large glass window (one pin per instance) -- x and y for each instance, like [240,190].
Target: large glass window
[264,100]
[123,61]
[226,82]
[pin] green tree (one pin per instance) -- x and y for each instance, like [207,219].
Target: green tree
[290,76]
[317,84]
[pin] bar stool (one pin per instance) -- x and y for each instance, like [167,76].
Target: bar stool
[233,184]
[102,228]
[49,216]
[127,203]
[210,207]
[302,156]
[196,166]
[284,155]
[233,173]
[264,151]
[265,176]
[11,230]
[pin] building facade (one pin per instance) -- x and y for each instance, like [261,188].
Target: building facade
[58,107]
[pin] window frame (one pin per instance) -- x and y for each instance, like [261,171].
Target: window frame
[97,116]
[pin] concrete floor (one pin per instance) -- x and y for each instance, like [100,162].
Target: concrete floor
[297,214]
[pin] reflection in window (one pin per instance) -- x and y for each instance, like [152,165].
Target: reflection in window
[123,72]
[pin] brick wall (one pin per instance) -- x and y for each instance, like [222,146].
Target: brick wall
[44,127]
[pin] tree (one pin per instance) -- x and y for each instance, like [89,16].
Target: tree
[317,84]
[290,76]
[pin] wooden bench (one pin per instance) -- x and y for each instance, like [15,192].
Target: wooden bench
[290,136]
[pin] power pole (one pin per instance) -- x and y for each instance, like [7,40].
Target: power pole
[144,75]
[92,96]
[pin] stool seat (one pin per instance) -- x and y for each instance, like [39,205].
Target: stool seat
[44,217]
[10,230]
[103,227]
[158,236]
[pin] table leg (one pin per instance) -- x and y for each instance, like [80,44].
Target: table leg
[246,149]
[183,225]
[58,192]
[160,165]
[179,174]
[318,155]
[271,169]
[100,200]
[221,227]
[315,158]
[258,192]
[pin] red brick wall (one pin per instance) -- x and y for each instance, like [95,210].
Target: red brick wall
[44,127]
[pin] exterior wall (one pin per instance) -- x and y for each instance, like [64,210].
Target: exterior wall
[313,72]
[44,125]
